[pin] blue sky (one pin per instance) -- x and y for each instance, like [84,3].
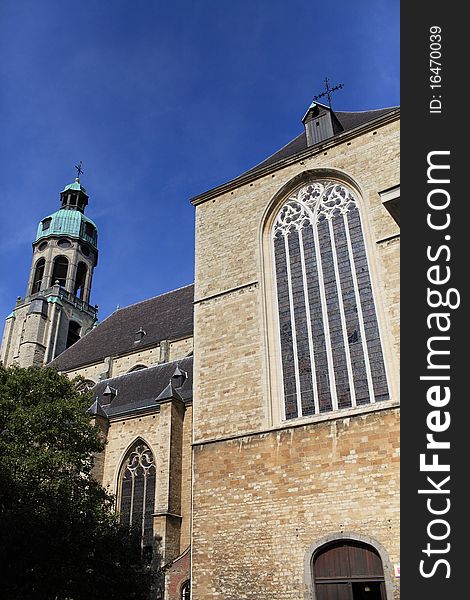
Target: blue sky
[162,101]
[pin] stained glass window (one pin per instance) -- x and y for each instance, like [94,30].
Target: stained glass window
[137,490]
[329,337]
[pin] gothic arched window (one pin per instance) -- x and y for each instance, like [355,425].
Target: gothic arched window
[329,337]
[137,490]
[85,386]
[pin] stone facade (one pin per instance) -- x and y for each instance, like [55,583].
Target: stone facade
[261,501]
[168,434]
[37,329]
[166,430]
[113,366]
[266,490]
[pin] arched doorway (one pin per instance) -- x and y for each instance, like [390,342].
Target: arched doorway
[348,570]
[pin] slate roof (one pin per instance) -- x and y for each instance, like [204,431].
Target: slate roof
[165,317]
[348,120]
[138,391]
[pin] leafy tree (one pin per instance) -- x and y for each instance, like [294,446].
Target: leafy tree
[59,536]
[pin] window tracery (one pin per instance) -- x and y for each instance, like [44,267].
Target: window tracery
[137,490]
[329,338]
[85,386]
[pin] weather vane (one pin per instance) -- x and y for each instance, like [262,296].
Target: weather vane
[328,91]
[79,169]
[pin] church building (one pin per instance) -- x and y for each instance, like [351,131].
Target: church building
[251,419]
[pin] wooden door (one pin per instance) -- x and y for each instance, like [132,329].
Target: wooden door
[348,570]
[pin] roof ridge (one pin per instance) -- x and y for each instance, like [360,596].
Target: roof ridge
[171,362]
[369,110]
[151,298]
[268,157]
[349,112]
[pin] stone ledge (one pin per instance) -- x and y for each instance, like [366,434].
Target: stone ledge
[301,422]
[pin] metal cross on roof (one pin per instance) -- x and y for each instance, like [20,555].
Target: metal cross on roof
[328,91]
[79,169]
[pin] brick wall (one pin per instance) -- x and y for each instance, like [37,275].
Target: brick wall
[177,575]
[119,365]
[261,501]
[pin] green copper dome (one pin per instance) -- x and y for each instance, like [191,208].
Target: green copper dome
[69,223]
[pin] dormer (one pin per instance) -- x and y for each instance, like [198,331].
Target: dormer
[320,123]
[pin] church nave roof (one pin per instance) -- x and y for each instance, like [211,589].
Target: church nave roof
[141,325]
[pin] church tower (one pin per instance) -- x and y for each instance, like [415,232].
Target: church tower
[55,311]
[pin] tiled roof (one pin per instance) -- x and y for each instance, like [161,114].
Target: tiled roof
[138,391]
[165,317]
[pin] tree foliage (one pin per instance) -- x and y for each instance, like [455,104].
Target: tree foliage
[59,536]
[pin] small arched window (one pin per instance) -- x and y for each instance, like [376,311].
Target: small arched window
[38,275]
[85,386]
[73,334]
[137,490]
[329,337]
[80,278]
[137,368]
[186,590]
[59,271]
[348,570]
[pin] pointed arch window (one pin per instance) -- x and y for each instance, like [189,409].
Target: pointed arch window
[137,490]
[85,386]
[329,337]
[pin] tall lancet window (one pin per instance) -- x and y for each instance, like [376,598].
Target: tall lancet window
[137,490]
[330,346]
